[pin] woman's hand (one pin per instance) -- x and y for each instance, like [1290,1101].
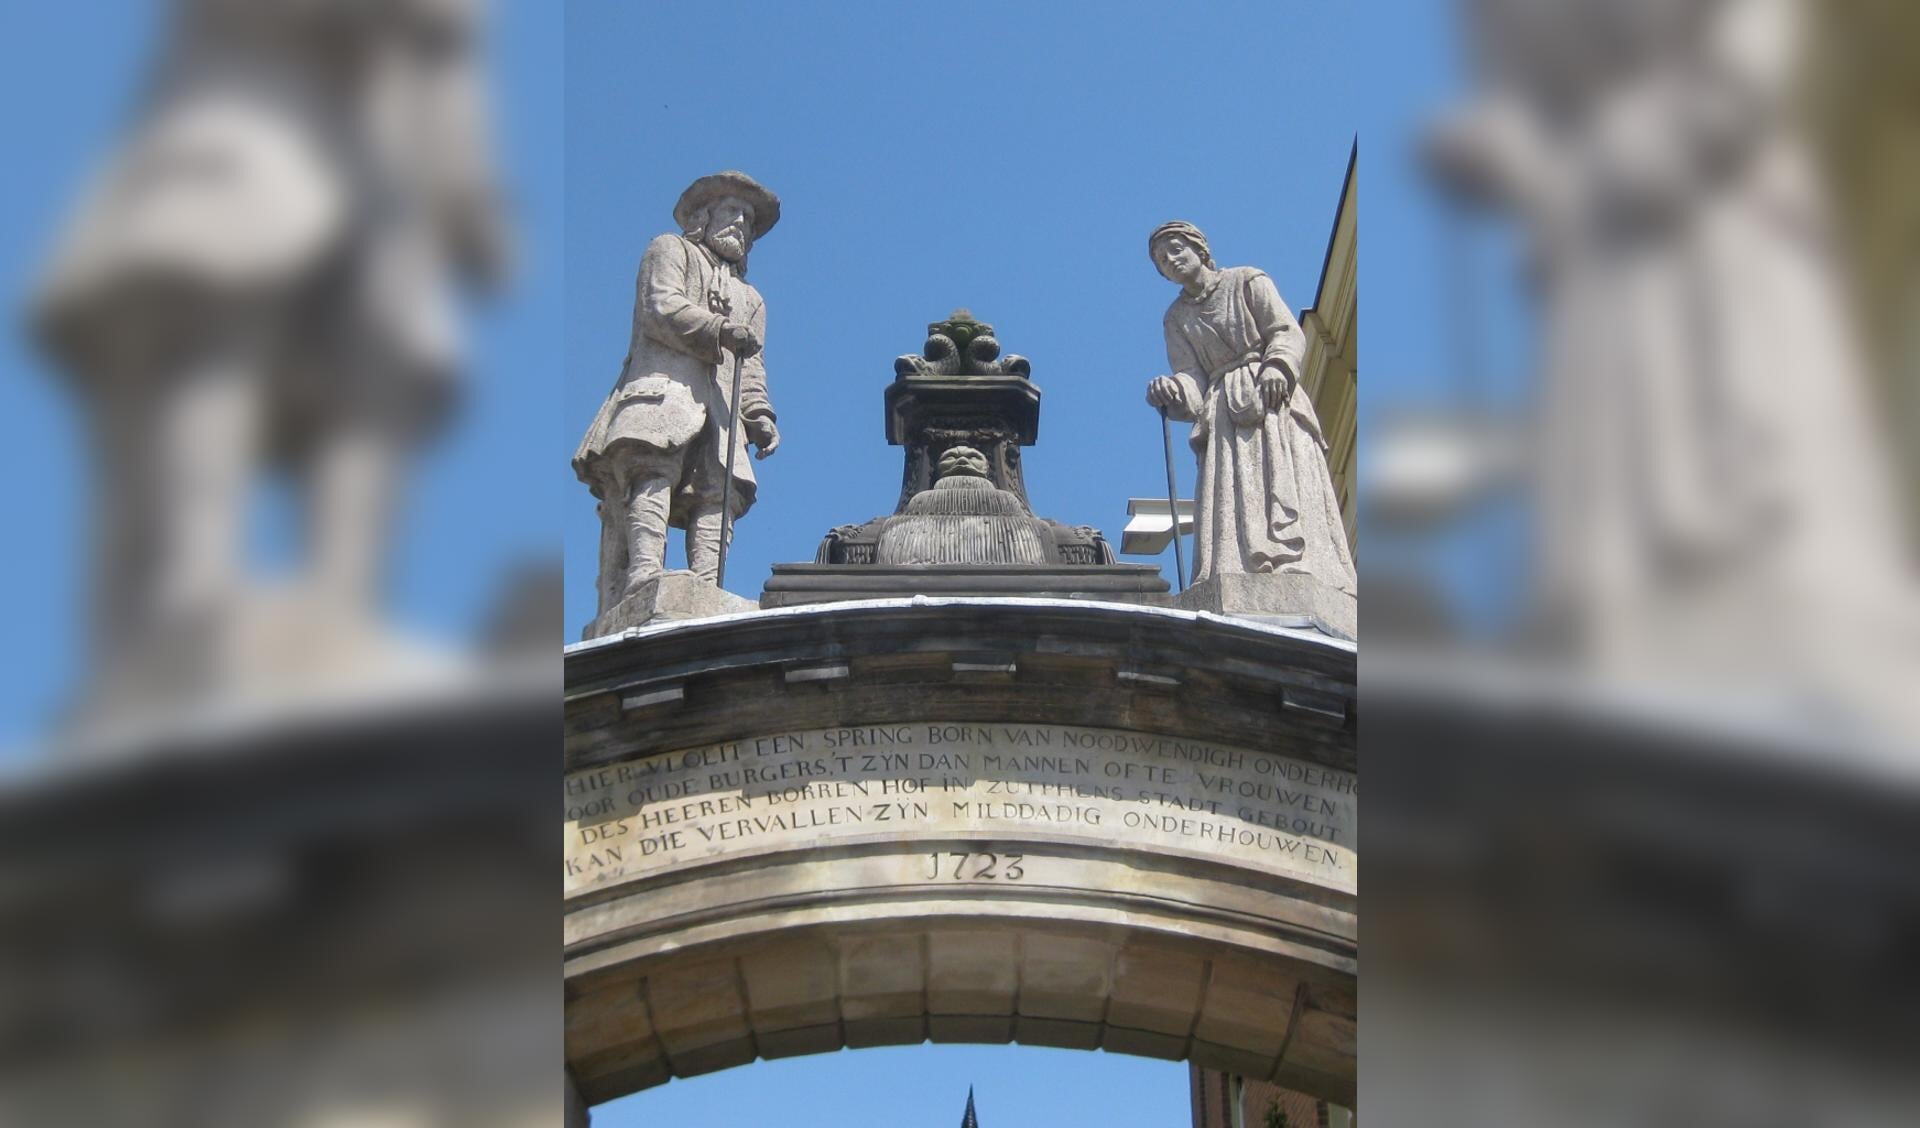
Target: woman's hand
[1276,387]
[1163,392]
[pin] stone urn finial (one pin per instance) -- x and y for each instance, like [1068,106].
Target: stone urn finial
[962,345]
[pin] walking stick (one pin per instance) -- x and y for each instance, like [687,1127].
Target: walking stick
[1173,501]
[726,490]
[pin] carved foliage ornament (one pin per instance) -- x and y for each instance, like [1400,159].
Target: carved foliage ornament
[962,346]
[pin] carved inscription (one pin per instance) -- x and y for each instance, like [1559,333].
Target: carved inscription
[991,782]
[972,866]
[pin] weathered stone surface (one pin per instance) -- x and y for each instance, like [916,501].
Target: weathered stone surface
[963,519]
[795,990]
[1228,681]
[900,836]
[977,972]
[1706,520]
[1265,499]
[962,414]
[962,393]
[794,584]
[1284,598]
[669,597]
[234,909]
[962,345]
[1156,991]
[1249,1009]
[1061,977]
[883,985]
[1490,946]
[261,281]
[700,1016]
[938,782]
[891,992]
[668,448]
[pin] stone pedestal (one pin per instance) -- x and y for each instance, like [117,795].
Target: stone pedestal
[674,595]
[1284,599]
[963,524]
[218,926]
[793,584]
[1046,821]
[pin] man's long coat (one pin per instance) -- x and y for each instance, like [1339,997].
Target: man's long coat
[672,397]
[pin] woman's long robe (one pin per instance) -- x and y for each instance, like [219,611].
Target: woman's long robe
[1265,501]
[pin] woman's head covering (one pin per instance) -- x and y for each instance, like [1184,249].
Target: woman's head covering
[1186,231]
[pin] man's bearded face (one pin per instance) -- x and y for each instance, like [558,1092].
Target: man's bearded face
[729,220]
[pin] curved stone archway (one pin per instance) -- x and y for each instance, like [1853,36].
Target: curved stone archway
[990,820]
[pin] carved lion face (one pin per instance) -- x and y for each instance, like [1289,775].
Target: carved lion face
[964,462]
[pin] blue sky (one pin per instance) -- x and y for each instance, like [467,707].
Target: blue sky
[42,486]
[922,1087]
[1444,319]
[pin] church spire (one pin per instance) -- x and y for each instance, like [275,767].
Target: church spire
[969,1121]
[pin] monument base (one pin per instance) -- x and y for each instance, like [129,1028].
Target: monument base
[794,584]
[319,852]
[1287,599]
[949,857]
[678,594]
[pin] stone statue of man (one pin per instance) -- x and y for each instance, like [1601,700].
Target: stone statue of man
[263,277]
[1265,501]
[656,455]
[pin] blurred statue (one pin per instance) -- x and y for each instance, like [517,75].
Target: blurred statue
[656,455]
[1715,504]
[264,274]
[1265,501]
[1707,437]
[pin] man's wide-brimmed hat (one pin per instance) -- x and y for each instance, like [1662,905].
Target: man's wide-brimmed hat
[766,205]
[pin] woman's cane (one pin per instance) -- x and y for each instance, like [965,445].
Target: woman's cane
[1173,501]
[726,490]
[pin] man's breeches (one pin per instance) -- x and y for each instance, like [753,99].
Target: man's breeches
[651,484]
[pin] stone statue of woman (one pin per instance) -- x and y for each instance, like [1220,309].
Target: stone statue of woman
[1265,501]
[1712,471]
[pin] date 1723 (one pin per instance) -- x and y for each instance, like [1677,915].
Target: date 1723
[949,866]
